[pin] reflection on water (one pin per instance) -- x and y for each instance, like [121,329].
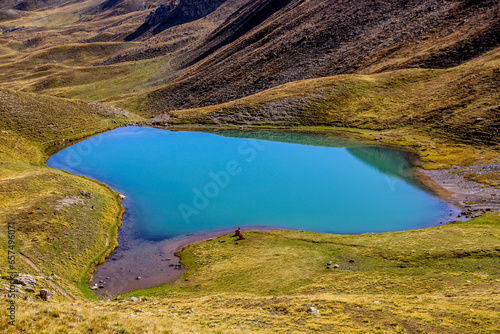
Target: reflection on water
[178,183]
[389,161]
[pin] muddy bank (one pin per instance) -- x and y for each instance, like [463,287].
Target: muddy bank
[141,264]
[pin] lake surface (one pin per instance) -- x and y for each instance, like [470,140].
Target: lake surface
[178,183]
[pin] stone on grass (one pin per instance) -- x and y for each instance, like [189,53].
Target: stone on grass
[314,311]
[45,295]
[26,280]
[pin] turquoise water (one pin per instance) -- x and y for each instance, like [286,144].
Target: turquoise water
[179,183]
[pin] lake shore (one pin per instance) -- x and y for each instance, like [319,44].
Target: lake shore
[142,264]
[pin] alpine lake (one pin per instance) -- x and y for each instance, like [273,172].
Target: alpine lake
[181,186]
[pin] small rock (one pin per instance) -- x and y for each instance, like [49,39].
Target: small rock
[28,298]
[16,289]
[222,240]
[314,311]
[135,299]
[86,193]
[45,295]
[138,277]
[335,266]
[140,311]
[101,281]
[351,261]
[122,196]
[34,239]
[30,290]
[329,263]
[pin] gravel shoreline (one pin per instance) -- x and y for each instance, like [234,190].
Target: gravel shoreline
[454,186]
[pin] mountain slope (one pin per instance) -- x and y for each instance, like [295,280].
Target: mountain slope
[309,39]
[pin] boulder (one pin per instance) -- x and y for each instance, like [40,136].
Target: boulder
[45,295]
[26,280]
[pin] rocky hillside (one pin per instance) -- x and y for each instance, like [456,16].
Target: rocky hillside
[175,12]
[270,42]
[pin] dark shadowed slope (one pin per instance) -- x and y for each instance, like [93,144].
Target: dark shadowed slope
[175,12]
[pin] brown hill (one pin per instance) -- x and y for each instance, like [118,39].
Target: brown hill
[270,42]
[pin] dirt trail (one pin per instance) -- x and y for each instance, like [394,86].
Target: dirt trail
[52,283]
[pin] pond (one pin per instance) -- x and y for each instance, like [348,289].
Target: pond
[178,182]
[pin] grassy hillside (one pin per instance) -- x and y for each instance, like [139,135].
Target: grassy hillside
[64,223]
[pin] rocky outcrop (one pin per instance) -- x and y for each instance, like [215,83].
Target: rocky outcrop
[25,280]
[173,13]
[161,13]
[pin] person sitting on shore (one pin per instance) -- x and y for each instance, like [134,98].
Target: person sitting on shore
[238,234]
